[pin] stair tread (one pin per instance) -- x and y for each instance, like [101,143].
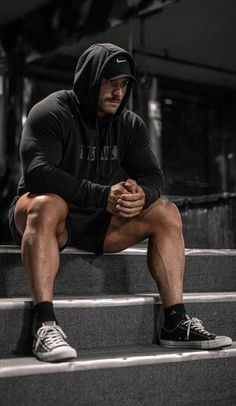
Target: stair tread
[135,249]
[113,357]
[100,300]
[84,273]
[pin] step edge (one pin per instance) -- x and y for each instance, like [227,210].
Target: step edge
[134,299]
[135,250]
[31,366]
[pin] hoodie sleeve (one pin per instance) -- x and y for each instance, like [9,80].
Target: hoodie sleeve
[141,164]
[41,152]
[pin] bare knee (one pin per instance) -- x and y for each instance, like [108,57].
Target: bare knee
[165,214]
[48,203]
[47,211]
[40,211]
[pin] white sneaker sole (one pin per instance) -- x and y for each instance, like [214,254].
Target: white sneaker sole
[218,342]
[58,354]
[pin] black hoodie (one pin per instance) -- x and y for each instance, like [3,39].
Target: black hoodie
[66,150]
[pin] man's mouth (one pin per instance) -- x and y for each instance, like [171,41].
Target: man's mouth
[115,101]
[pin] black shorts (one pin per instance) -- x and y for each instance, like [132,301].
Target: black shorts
[85,231]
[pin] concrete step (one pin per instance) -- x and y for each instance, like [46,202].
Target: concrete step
[103,321]
[82,273]
[127,376]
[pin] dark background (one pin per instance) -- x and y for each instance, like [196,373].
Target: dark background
[186,63]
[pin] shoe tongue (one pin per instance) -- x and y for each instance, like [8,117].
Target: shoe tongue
[49,323]
[185,316]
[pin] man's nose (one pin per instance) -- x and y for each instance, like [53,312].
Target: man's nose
[118,90]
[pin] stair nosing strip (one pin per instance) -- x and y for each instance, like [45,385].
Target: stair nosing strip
[135,250]
[36,367]
[118,300]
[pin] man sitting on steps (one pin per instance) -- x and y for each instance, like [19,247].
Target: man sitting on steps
[73,145]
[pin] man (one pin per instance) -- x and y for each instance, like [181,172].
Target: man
[73,146]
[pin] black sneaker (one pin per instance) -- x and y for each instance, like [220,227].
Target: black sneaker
[50,345]
[190,333]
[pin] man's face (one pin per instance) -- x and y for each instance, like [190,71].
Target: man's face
[111,95]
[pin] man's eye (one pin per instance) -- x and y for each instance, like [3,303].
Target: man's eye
[125,83]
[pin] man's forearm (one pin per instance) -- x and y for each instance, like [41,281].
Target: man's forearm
[81,192]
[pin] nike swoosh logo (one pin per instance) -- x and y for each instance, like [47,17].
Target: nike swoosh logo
[120,60]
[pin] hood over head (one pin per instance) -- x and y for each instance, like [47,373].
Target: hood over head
[98,61]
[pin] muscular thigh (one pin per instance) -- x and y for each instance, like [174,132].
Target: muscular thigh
[123,233]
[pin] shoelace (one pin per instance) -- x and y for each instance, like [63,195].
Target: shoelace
[52,336]
[195,324]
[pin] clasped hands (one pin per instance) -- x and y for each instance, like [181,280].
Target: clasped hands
[126,199]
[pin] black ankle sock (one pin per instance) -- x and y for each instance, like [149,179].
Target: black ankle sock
[174,314]
[44,312]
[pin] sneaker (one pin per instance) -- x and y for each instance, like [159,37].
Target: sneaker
[50,345]
[190,333]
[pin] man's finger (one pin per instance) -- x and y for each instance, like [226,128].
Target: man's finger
[131,181]
[132,197]
[131,204]
[129,210]
[128,215]
[118,190]
[131,185]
